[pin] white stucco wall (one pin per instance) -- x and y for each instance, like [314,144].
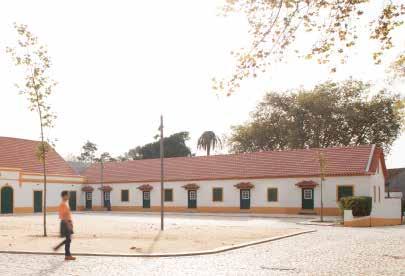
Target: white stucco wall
[23,191]
[288,194]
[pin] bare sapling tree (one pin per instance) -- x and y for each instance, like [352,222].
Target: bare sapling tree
[36,85]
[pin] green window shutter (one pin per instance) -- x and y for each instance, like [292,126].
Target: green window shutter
[168,195]
[344,191]
[124,195]
[217,194]
[272,194]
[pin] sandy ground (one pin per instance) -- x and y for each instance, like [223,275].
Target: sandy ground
[115,233]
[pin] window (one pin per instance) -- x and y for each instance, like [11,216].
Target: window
[168,194]
[245,194]
[272,194]
[344,191]
[217,194]
[379,194]
[192,195]
[146,195]
[124,195]
[307,193]
[88,195]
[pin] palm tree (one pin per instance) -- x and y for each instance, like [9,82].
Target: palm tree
[209,140]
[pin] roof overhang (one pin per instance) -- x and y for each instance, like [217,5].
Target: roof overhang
[145,188]
[244,185]
[307,184]
[106,188]
[191,186]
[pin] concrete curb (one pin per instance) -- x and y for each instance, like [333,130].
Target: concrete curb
[180,254]
[310,222]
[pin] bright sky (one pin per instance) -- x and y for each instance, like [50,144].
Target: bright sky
[120,64]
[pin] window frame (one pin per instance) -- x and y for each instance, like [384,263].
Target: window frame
[268,195]
[123,190]
[213,194]
[172,194]
[337,190]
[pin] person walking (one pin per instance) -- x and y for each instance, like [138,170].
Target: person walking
[66,226]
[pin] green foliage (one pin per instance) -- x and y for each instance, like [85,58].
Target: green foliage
[208,140]
[105,157]
[88,154]
[331,114]
[360,205]
[42,149]
[326,31]
[174,146]
[37,85]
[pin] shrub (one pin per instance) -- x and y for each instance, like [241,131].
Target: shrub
[360,205]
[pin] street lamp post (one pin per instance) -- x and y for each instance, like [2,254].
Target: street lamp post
[322,165]
[161,175]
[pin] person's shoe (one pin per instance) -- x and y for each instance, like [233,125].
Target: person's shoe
[70,258]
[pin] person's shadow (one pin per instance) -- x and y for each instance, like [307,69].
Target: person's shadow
[152,245]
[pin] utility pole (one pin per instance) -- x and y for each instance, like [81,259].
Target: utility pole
[161,175]
[102,182]
[322,165]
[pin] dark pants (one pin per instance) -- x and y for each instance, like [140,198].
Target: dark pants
[66,242]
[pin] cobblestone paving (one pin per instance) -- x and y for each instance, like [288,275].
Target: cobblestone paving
[329,251]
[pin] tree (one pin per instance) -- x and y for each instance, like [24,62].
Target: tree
[88,154]
[174,146]
[105,157]
[325,30]
[398,66]
[208,140]
[331,114]
[37,86]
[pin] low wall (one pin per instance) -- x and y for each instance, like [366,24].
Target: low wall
[386,213]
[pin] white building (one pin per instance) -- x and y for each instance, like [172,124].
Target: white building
[263,182]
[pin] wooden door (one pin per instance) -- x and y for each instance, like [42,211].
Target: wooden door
[7,200]
[37,201]
[245,199]
[89,200]
[146,199]
[192,199]
[72,200]
[308,198]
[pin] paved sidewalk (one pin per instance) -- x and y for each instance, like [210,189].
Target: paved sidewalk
[329,251]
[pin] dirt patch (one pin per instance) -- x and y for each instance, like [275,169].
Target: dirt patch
[130,234]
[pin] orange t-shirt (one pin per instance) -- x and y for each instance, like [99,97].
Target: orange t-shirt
[64,211]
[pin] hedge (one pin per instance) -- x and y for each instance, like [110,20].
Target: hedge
[360,205]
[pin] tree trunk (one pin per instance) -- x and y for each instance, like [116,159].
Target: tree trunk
[44,171]
[208,150]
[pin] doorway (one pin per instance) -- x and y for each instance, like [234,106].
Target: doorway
[307,198]
[192,199]
[72,200]
[37,201]
[7,199]
[146,199]
[245,199]
[89,200]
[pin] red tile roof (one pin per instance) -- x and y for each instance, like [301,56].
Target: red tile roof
[341,161]
[21,154]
